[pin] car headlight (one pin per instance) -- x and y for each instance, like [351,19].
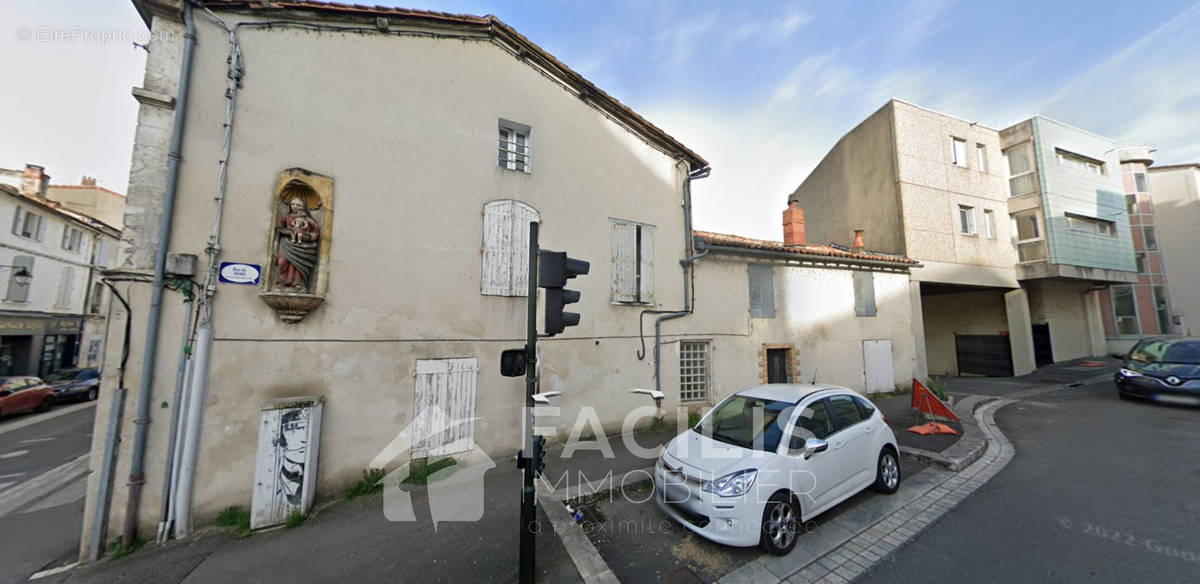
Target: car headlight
[1123,372]
[733,484]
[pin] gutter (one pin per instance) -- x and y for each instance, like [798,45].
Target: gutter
[146,382]
[808,257]
[688,274]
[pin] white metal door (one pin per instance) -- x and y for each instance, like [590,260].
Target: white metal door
[444,407]
[877,361]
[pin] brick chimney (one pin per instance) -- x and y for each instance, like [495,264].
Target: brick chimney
[858,240]
[34,181]
[88,181]
[793,224]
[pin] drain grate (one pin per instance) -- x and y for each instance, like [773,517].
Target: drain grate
[683,576]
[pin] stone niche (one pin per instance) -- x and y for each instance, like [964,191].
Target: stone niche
[297,267]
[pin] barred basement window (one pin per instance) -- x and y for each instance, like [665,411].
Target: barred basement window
[693,370]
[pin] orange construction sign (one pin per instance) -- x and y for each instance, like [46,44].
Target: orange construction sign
[924,400]
[932,428]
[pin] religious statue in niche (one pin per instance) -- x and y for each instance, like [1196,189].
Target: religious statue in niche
[297,275]
[296,249]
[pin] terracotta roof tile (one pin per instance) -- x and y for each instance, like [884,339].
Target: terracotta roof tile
[727,240]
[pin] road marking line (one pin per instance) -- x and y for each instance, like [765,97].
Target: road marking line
[74,491]
[5,485]
[32,419]
[11,476]
[46,483]
[32,440]
[53,571]
[14,454]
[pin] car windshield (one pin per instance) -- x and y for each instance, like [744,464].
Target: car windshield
[748,422]
[64,375]
[1167,351]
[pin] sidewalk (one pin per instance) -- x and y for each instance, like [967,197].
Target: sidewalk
[1058,373]
[353,540]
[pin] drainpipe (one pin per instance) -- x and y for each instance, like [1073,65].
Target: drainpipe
[164,522]
[688,275]
[146,383]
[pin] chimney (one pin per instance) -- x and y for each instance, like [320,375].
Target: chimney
[793,224]
[34,181]
[88,181]
[858,240]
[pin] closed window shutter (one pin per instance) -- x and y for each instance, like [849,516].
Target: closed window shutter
[523,215]
[41,227]
[19,292]
[762,291]
[497,248]
[864,293]
[66,286]
[647,263]
[624,262]
[18,220]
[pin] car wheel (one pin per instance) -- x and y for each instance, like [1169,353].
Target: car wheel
[91,394]
[780,524]
[45,405]
[887,472]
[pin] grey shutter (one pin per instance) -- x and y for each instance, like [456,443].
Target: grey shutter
[762,291]
[66,285]
[41,227]
[646,259]
[18,216]
[19,292]
[624,262]
[864,293]
[497,248]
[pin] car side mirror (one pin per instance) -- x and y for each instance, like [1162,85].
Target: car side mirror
[813,446]
[5,393]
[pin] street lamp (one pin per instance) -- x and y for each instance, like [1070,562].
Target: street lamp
[20,275]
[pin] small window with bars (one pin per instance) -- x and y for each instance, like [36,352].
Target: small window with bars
[694,370]
[513,150]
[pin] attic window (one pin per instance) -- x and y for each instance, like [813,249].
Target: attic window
[513,150]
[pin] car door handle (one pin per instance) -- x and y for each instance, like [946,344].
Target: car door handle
[838,444]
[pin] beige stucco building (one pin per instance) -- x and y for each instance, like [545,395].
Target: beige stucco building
[1176,190]
[938,189]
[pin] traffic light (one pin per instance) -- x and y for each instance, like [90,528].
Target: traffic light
[554,269]
[539,455]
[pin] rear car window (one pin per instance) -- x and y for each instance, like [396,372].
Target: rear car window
[864,407]
[846,411]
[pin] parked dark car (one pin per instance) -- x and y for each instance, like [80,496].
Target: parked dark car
[20,393]
[75,384]
[1162,369]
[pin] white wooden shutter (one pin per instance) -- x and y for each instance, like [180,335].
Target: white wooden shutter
[445,392]
[523,215]
[647,263]
[624,262]
[66,286]
[497,248]
[18,220]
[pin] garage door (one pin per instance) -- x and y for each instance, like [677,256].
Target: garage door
[989,355]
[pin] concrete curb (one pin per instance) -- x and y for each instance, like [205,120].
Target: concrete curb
[588,561]
[43,485]
[966,450]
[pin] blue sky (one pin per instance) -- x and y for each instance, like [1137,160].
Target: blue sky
[761,89]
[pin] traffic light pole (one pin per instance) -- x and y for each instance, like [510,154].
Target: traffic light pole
[528,512]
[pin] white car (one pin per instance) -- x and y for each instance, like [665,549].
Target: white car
[769,458]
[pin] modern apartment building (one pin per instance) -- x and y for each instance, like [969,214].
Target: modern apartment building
[1134,310]
[1015,239]
[1176,190]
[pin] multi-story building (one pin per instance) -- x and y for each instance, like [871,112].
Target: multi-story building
[88,198]
[53,309]
[1073,237]
[1176,190]
[1132,311]
[1000,289]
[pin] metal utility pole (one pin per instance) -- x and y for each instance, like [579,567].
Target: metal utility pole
[528,512]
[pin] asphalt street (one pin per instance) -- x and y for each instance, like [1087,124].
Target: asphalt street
[1100,490]
[45,531]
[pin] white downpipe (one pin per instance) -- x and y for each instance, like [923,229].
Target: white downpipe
[191,438]
[177,454]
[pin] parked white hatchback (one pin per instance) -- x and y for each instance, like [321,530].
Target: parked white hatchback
[768,458]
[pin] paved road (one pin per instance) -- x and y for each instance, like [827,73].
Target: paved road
[1100,490]
[45,531]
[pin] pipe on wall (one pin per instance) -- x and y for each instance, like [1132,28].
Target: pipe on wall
[150,353]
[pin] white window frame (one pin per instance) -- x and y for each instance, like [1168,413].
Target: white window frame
[1038,238]
[1146,241]
[1143,185]
[22,227]
[981,157]
[1079,161]
[695,370]
[1025,149]
[505,261]
[958,152]
[989,223]
[1091,225]
[966,220]
[632,262]
[66,287]
[72,239]
[1137,319]
[513,146]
